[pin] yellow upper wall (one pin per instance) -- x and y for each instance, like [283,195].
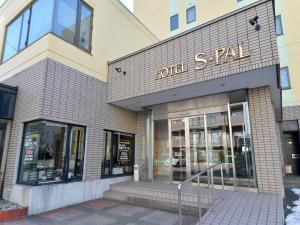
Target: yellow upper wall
[116,32]
[289,46]
[156,13]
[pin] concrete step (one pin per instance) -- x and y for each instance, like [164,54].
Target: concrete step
[162,196]
[188,207]
[189,194]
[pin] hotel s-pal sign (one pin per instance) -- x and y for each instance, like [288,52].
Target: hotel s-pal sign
[219,56]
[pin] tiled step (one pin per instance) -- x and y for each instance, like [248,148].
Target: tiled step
[154,202]
[159,195]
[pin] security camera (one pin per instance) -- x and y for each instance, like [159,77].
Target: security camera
[254,22]
[119,70]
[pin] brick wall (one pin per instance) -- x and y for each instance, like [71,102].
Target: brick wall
[140,150]
[29,104]
[291,112]
[291,115]
[266,142]
[50,90]
[226,31]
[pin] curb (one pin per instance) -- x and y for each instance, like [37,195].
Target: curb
[13,214]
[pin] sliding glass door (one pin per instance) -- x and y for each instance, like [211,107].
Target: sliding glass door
[197,144]
[178,149]
[219,145]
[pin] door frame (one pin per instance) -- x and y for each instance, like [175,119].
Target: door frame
[187,143]
[4,155]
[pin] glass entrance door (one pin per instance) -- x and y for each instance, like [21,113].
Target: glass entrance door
[178,149]
[219,135]
[219,145]
[197,144]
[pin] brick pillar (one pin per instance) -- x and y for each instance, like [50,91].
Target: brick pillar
[140,157]
[265,141]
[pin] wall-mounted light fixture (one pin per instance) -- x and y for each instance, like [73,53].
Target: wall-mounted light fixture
[254,23]
[119,70]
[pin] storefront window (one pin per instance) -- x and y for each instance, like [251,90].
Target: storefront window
[118,158]
[44,151]
[76,153]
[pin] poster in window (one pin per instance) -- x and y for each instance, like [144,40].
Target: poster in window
[32,176]
[124,149]
[30,145]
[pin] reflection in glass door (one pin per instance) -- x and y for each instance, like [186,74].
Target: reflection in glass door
[218,144]
[241,134]
[186,146]
[161,155]
[178,149]
[197,144]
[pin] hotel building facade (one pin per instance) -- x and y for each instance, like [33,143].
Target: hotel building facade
[168,18]
[89,97]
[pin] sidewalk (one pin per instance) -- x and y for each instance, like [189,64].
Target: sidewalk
[104,212]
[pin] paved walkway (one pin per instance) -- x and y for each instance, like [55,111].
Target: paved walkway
[242,208]
[237,208]
[104,212]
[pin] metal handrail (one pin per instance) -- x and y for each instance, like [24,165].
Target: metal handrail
[210,174]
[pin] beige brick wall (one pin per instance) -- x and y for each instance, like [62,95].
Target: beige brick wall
[140,145]
[29,104]
[291,113]
[266,142]
[226,31]
[52,91]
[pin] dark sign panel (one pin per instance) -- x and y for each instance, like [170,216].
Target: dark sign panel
[124,148]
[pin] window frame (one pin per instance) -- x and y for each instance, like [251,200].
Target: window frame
[174,16]
[29,6]
[281,27]
[186,13]
[10,23]
[65,178]
[288,77]
[78,23]
[132,160]
[70,129]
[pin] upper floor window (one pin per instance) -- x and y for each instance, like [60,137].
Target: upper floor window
[69,19]
[191,14]
[174,23]
[278,22]
[16,36]
[285,78]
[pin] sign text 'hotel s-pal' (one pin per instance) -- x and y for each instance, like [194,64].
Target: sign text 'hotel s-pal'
[221,55]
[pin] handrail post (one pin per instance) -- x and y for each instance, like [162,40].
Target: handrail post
[199,208]
[212,190]
[222,178]
[179,205]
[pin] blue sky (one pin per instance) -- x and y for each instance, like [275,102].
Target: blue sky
[1,1]
[128,3]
